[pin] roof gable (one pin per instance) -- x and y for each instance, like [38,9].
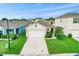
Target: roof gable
[44,23]
[35,25]
[14,24]
[69,15]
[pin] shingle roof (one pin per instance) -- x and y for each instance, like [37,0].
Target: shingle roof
[14,24]
[44,23]
[69,15]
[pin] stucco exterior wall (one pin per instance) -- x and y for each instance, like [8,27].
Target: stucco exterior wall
[33,28]
[68,25]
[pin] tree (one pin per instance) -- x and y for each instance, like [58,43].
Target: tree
[39,18]
[58,32]
[4,19]
[13,19]
[34,20]
[23,19]
[51,20]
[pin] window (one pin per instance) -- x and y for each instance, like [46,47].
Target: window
[9,30]
[75,20]
[0,32]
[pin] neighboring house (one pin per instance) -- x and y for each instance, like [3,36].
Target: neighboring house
[38,29]
[70,23]
[15,27]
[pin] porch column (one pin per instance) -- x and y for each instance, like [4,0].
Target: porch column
[4,32]
[49,30]
[14,31]
[53,34]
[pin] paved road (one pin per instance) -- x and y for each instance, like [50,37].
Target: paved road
[64,54]
[35,46]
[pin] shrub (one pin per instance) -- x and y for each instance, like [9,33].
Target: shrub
[3,36]
[48,35]
[12,36]
[58,32]
[70,35]
[0,35]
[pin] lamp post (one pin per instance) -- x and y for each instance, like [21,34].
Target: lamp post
[8,34]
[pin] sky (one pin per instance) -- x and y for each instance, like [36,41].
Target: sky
[33,10]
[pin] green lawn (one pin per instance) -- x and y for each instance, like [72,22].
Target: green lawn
[66,45]
[16,45]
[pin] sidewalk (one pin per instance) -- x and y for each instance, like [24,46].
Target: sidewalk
[3,39]
[76,38]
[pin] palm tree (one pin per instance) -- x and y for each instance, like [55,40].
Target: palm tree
[5,19]
[58,32]
[8,33]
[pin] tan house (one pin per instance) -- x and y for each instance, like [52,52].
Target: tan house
[70,23]
[38,29]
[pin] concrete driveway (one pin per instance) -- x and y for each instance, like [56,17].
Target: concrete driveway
[35,46]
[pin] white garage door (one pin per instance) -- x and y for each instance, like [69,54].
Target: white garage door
[36,34]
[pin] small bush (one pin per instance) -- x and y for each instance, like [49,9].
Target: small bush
[0,35]
[12,36]
[70,35]
[3,36]
[48,35]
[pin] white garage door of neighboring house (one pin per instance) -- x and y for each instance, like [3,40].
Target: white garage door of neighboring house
[36,34]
